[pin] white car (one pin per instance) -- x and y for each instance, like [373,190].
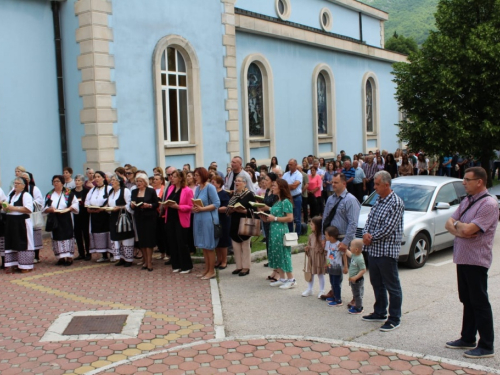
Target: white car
[429,202]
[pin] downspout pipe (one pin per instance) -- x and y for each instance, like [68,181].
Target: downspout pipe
[360,27]
[60,83]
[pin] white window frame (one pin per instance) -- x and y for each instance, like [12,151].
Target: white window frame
[194,146]
[375,135]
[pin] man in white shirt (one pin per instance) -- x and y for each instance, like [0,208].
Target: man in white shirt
[294,179]
[237,170]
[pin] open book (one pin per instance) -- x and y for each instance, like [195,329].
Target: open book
[198,202]
[261,213]
[237,205]
[138,204]
[96,207]
[62,211]
[168,201]
[257,204]
[259,197]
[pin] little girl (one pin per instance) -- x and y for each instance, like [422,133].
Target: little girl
[316,257]
[337,264]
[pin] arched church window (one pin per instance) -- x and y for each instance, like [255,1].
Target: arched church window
[322,105]
[369,106]
[256,120]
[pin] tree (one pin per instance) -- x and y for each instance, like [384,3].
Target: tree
[450,89]
[399,43]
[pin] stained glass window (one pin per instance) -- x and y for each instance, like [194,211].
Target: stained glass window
[369,107]
[322,105]
[255,101]
[174,96]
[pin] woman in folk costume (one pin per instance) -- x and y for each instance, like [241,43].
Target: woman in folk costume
[100,241]
[3,218]
[19,246]
[38,202]
[62,202]
[121,229]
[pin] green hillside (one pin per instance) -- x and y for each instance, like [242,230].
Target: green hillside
[411,18]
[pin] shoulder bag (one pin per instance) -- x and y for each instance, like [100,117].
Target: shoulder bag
[37,217]
[307,269]
[291,239]
[52,222]
[249,226]
[123,224]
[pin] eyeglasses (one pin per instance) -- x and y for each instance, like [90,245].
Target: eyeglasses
[470,179]
[169,174]
[128,173]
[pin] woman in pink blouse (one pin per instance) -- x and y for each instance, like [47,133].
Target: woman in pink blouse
[314,191]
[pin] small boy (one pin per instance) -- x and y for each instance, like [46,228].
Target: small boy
[357,269]
[336,264]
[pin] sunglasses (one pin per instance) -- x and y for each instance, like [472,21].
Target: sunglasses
[128,173]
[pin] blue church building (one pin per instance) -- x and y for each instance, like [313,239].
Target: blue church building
[101,83]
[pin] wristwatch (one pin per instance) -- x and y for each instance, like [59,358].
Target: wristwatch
[455,223]
[275,218]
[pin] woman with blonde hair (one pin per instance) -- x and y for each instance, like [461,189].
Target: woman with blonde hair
[144,202]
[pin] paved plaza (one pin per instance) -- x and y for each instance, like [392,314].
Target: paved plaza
[179,324]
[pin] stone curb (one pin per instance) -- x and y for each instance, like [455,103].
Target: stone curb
[260,255]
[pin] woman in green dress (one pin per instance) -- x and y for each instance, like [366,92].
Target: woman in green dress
[280,256]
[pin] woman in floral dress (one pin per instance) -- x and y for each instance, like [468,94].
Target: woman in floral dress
[280,256]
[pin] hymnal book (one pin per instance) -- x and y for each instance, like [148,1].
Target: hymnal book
[261,213]
[259,197]
[198,202]
[62,211]
[237,205]
[168,201]
[138,204]
[256,204]
[95,207]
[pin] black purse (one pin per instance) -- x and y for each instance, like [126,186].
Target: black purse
[217,227]
[52,221]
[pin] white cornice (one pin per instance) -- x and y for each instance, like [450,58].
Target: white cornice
[363,8]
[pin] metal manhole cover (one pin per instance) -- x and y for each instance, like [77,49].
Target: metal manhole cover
[96,324]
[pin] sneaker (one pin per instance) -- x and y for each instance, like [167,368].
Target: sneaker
[374,318]
[479,353]
[35,261]
[289,284]
[185,271]
[101,260]
[307,293]
[175,271]
[330,299]
[388,326]
[335,303]
[355,311]
[280,282]
[460,344]
[321,292]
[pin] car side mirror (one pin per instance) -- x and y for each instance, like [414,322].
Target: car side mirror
[442,206]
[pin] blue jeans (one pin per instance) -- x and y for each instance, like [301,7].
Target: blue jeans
[297,206]
[336,282]
[384,277]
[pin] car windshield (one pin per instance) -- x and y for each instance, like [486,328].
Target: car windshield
[415,197]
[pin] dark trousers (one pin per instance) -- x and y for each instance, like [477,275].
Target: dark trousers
[313,205]
[384,277]
[358,191]
[477,315]
[370,187]
[81,232]
[336,283]
[178,246]
[320,204]
[297,206]
[305,211]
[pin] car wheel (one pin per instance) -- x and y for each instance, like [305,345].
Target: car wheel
[419,251]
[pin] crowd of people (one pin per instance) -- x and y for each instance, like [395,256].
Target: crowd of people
[126,214]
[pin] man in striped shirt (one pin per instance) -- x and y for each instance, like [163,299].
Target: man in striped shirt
[474,224]
[382,236]
[370,168]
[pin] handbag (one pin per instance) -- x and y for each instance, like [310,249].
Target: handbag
[290,239]
[249,226]
[307,274]
[37,217]
[217,227]
[123,224]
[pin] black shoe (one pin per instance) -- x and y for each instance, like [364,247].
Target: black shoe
[460,344]
[222,267]
[266,264]
[127,264]
[60,262]
[374,318]
[389,326]
[68,262]
[244,273]
[479,353]
[88,257]
[168,262]
[120,263]
[79,257]
[235,272]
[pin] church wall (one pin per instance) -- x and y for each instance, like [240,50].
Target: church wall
[293,94]
[345,21]
[72,78]
[137,28]
[29,121]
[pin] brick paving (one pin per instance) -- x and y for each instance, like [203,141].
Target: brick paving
[176,335]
